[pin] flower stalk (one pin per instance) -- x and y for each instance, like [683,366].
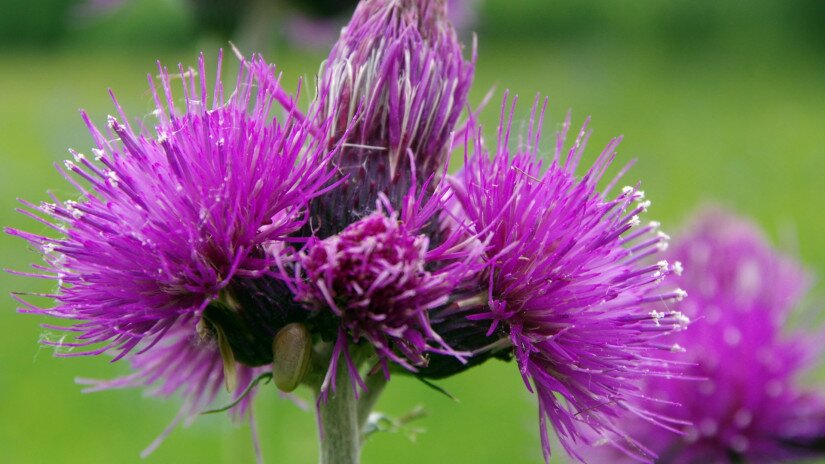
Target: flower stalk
[338,422]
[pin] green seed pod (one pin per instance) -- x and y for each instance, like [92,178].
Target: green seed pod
[292,349]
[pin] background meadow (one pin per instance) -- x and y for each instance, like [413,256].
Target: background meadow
[718,101]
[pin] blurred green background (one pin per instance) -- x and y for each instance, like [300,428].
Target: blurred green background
[719,101]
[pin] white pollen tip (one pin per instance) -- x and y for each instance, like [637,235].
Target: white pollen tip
[98,153]
[662,246]
[639,195]
[677,348]
[654,224]
[663,265]
[111,121]
[69,164]
[47,208]
[680,294]
[634,221]
[627,190]
[644,205]
[677,268]
[656,316]
[113,178]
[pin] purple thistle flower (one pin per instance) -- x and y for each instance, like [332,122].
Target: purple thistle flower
[746,405]
[397,71]
[166,223]
[181,229]
[380,277]
[568,289]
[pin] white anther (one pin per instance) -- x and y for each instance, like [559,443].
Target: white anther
[113,178]
[47,208]
[677,348]
[656,316]
[681,319]
[677,268]
[644,205]
[71,207]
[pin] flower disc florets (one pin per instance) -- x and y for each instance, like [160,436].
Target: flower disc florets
[381,277]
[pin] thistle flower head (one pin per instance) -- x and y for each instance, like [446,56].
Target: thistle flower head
[380,277]
[167,253]
[746,405]
[394,86]
[164,221]
[568,286]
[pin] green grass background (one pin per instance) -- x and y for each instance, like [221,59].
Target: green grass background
[718,104]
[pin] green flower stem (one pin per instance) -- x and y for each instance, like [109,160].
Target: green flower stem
[342,416]
[338,418]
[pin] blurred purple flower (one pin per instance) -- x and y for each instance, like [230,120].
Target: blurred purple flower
[747,405]
[176,229]
[568,288]
[394,86]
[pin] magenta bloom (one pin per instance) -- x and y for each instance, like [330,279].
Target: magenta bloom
[398,72]
[381,277]
[747,406]
[568,288]
[172,227]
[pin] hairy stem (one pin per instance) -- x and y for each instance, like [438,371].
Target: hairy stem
[338,420]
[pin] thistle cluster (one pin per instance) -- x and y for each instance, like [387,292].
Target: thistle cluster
[243,237]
